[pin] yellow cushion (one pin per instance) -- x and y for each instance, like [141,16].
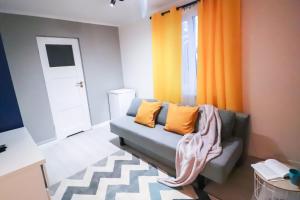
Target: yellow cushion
[147,113]
[181,119]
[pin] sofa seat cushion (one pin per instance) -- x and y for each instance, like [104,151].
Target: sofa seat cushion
[158,141]
[155,139]
[220,167]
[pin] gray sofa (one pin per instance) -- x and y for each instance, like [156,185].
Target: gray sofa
[161,145]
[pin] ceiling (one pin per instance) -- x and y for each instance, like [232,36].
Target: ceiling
[89,11]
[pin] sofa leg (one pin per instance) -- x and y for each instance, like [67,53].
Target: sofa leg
[199,185]
[122,143]
[201,182]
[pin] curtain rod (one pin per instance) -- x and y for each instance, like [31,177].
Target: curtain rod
[180,7]
[187,5]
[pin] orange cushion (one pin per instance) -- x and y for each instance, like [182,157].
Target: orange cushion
[147,113]
[181,119]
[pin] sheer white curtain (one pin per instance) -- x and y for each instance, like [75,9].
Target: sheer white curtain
[189,55]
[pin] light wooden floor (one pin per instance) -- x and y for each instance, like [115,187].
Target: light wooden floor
[71,155]
[239,186]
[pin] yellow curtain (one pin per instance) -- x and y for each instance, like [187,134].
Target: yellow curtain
[166,52]
[219,54]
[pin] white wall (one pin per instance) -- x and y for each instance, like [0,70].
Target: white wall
[136,55]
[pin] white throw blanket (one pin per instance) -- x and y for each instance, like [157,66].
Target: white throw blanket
[196,149]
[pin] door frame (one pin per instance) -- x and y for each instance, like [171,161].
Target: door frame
[44,60]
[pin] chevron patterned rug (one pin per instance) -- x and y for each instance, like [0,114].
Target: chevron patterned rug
[119,176]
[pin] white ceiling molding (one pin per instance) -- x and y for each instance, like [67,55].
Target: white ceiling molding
[88,11]
[163,5]
[72,19]
[91,11]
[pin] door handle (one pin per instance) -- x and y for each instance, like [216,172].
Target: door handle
[80,84]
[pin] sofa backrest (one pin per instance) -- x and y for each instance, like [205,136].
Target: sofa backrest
[161,117]
[135,104]
[241,128]
[233,123]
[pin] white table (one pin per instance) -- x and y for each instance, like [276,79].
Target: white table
[274,190]
[22,173]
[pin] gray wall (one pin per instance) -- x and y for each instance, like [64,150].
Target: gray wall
[101,59]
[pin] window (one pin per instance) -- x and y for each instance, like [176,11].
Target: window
[189,55]
[60,55]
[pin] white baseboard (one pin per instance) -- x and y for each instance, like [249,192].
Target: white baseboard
[294,163]
[52,141]
[46,143]
[100,125]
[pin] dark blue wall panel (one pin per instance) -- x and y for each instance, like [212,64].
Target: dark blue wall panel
[10,117]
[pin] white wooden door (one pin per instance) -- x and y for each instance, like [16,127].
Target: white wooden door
[62,67]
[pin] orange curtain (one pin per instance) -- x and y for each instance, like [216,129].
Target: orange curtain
[219,54]
[166,53]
